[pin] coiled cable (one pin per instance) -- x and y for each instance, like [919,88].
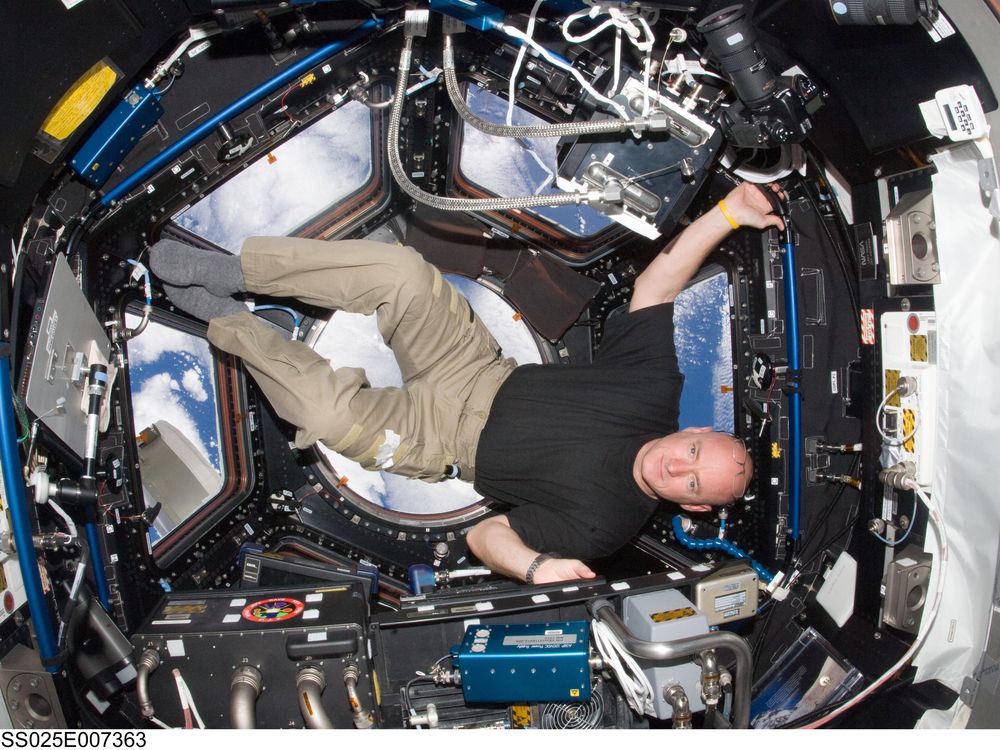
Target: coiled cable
[723,545]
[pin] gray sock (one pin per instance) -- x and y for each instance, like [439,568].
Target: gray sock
[201,303]
[181,265]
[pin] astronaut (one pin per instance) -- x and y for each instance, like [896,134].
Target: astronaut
[583,454]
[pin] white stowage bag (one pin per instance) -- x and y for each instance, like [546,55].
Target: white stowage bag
[968,424]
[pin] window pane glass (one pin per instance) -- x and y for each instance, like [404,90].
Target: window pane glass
[176,422]
[353,340]
[312,171]
[511,167]
[702,334]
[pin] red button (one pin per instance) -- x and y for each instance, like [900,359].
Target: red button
[913,322]
[8,601]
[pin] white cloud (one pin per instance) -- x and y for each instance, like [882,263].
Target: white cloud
[312,170]
[157,339]
[353,340]
[193,384]
[158,400]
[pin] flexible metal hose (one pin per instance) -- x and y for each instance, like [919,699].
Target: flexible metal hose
[616,125]
[361,718]
[244,690]
[669,650]
[148,662]
[455,204]
[310,683]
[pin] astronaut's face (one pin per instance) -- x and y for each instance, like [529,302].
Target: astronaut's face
[697,468]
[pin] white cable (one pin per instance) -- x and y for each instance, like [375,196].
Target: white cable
[616,79]
[512,91]
[469,572]
[584,83]
[181,694]
[65,516]
[926,621]
[634,26]
[74,591]
[634,684]
[190,700]
[647,64]
[881,428]
[160,724]
[586,36]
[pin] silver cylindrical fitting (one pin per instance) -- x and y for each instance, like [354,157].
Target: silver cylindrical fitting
[244,689]
[677,698]
[711,687]
[310,683]
[429,718]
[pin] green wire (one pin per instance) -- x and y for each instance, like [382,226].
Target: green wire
[22,416]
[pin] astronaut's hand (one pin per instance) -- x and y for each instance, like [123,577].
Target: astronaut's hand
[749,207]
[562,569]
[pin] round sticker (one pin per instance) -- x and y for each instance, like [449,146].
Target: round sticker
[273,610]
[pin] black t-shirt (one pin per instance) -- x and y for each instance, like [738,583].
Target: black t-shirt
[561,440]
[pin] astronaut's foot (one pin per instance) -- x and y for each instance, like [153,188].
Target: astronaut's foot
[181,265]
[200,303]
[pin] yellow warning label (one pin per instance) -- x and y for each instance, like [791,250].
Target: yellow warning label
[82,98]
[185,608]
[891,381]
[775,450]
[574,692]
[673,614]
[909,425]
[520,715]
[918,348]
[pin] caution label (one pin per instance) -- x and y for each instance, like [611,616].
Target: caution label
[673,614]
[82,98]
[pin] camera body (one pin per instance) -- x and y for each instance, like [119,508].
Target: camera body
[771,110]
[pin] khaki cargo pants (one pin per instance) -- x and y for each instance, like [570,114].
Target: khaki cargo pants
[451,365]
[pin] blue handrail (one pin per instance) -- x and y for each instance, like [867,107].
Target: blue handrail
[794,395]
[20,520]
[251,97]
[97,565]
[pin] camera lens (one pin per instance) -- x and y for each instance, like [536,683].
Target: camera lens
[882,12]
[733,40]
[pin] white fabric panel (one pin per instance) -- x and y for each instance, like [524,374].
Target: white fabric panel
[968,418]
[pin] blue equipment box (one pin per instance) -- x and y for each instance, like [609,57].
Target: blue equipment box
[525,663]
[117,136]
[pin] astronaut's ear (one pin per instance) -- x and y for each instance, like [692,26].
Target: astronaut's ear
[697,508]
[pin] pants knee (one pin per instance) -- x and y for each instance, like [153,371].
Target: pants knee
[412,275]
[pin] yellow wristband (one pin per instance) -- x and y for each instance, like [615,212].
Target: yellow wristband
[729,217]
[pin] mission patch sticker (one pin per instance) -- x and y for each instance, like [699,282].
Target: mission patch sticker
[273,610]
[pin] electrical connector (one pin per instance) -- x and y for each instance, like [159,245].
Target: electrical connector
[906,386]
[902,476]
[772,587]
